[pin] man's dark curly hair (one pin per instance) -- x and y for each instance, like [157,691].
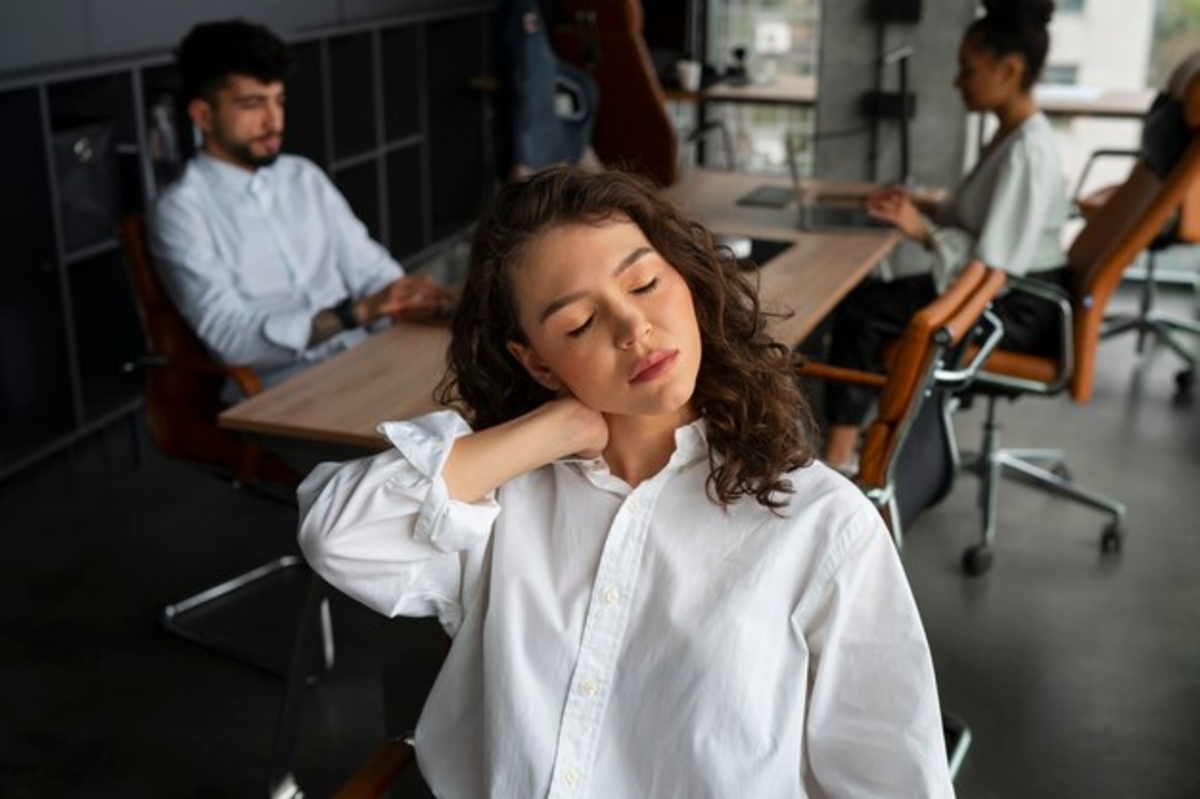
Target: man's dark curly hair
[213,51]
[756,417]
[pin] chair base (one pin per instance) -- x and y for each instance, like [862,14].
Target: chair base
[1162,328]
[1159,326]
[240,617]
[1044,469]
[958,741]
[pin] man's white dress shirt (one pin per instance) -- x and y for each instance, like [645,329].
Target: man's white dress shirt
[647,643]
[250,257]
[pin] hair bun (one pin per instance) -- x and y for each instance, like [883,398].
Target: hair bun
[1020,15]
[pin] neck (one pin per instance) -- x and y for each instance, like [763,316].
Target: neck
[1010,115]
[640,446]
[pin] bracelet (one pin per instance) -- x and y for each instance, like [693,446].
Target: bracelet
[932,232]
[345,314]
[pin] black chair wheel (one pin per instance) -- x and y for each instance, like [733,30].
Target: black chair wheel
[1113,538]
[977,560]
[1184,380]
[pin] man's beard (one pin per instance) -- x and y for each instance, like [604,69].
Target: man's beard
[244,155]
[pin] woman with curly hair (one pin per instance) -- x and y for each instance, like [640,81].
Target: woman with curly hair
[652,588]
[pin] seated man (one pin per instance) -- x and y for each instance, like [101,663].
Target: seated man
[260,252]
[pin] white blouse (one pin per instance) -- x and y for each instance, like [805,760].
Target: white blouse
[613,642]
[1009,211]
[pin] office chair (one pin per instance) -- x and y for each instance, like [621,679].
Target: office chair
[633,129]
[552,104]
[1111,239]
[1164,137]
[183,387]
[908,460]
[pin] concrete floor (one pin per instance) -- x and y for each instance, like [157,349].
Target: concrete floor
[1079,674]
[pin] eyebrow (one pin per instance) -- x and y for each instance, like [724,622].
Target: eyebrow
[565,300]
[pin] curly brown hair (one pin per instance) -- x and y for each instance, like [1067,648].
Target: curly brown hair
[757,419]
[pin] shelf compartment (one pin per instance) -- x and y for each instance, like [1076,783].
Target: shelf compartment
[352,95]
[406,212]
[360,185]
[102,300]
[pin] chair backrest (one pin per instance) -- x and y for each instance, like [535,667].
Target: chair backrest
[1134,214]
[552,103]
[633,130]
[184,382]
[908,458]
[933,334]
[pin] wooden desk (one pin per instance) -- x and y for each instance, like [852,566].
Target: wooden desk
[798,90]
[1072,101]
[392,374]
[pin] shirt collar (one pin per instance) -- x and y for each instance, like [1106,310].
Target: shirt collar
[235,178]
[691,445]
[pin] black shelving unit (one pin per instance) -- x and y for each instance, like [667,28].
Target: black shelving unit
[390,108]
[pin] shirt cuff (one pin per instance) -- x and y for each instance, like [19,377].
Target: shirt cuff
[290,330]
[446,523]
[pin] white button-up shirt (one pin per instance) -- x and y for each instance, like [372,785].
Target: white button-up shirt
[613,642]
[250,257]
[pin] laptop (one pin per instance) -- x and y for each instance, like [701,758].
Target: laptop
[846,213]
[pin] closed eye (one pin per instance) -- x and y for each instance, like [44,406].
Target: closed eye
[648,287]
[579,331]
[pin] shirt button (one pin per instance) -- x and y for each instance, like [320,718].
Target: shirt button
[571,776]
[634,506]
[611,596]
[591,687]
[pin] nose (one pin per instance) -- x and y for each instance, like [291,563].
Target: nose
[275,116]
[631,327]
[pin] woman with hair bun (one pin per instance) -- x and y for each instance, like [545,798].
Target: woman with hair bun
[1009,212]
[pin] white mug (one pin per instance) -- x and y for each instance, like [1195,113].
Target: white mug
[688,75]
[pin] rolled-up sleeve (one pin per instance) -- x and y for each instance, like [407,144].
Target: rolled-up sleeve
[385,531]
[874,723]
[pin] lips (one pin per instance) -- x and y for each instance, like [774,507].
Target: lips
[653,365]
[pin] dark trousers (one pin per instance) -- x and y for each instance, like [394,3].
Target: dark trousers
[877,311]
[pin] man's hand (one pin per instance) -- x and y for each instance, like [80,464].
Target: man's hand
[414,297]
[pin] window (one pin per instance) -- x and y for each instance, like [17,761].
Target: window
[1060,74]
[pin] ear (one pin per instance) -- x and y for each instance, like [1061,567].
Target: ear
[534,365]
[201,113]
[1013,66]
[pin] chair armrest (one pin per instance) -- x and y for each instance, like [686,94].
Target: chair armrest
[1095,156]
[963,375]
[1066,362]
[242,376]
[839,374]
[388,762]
